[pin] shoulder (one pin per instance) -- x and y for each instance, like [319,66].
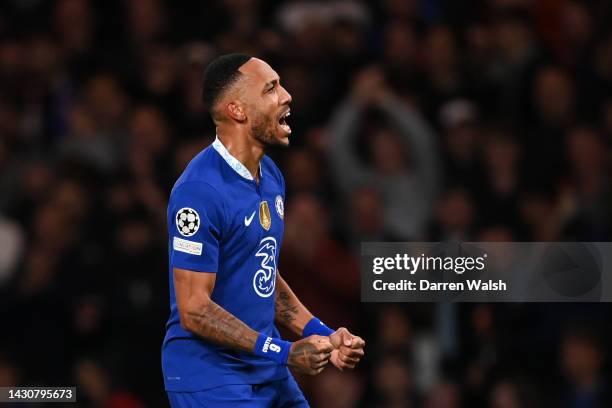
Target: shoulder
[199,198]
[203,171]
[200,189]
[200,186]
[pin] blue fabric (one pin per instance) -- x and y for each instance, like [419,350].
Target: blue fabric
[228,230]
[273,349]
[283,393]
[316,326]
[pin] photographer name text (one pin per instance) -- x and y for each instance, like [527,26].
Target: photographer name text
[424,284]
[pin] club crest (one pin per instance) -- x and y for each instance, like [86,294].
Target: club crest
[280,206]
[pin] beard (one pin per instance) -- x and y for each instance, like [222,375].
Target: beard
[264,129]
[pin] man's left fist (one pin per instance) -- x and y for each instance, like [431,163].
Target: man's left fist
[348,349]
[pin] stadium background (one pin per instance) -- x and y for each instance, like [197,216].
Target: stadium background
[412,120]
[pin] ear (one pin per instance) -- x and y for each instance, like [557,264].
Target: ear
[235,110]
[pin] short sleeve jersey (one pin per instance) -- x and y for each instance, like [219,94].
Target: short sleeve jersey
[220,220]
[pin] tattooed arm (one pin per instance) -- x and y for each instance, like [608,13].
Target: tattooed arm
[290,312]
[200,315]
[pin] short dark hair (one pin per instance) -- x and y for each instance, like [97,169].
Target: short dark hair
[219,75]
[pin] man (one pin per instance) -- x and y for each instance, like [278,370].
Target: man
[225,221]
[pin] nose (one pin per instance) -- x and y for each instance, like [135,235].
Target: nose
[285,97]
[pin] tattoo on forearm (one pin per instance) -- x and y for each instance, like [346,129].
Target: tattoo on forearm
[286,312]
[302,354]
[216,325]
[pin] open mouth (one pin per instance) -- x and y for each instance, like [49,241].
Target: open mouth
[282,121]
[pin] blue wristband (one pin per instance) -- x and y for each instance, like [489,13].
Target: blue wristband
[271,348]
[315,326]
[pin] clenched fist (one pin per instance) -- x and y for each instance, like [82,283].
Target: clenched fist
[310,355]
[348,349]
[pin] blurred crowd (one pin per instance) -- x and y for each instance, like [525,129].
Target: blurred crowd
[427,120]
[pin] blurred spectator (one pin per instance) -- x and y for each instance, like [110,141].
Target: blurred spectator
[74,25]
[335,389]
[96,126]
[365,221]
[407,181]
[400,55]
[444,73]
[540,216]
[443,395]
[582,361]
[588,194]
[553,100]
[393,382]
[498,193]
[394,330]
[517,55]
[96,389]
[461,138]
[514,394]
[9,373]
[12,243]
[454,216]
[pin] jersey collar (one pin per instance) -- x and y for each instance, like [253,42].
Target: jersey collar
[233,162]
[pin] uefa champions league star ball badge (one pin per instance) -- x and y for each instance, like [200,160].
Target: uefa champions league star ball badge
[264,215]
[280,207]
[187,221]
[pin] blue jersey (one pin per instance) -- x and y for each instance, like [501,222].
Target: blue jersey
[221,221]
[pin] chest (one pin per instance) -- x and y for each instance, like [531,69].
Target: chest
[254,212]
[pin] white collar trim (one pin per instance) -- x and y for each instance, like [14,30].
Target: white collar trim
[233,162]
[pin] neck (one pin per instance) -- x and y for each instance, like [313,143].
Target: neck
[243,146]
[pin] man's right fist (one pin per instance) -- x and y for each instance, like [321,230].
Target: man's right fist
[310,355]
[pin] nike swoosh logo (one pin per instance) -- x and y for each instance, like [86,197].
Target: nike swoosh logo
[247,221]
